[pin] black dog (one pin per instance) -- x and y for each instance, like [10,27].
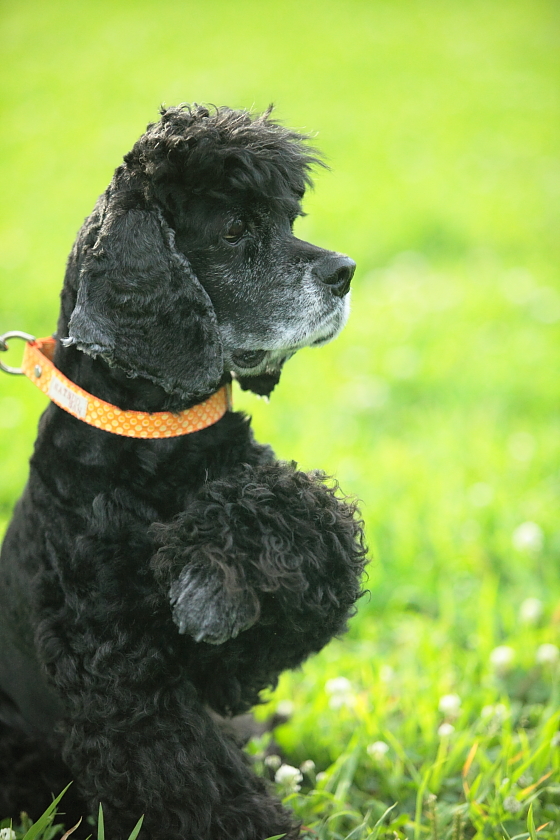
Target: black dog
[147,584]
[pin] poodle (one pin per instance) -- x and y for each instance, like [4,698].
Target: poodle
[153,584]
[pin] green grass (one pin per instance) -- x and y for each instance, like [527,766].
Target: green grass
[438,406]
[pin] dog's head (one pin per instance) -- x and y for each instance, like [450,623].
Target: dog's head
[188,269]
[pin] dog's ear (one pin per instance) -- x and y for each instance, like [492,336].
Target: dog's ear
[141,308]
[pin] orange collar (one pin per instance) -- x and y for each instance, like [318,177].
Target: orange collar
[37,365]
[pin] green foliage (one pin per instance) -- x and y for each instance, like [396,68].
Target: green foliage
[101,826]
[43,829]
[438,404]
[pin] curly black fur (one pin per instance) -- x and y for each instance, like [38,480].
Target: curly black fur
[147,585]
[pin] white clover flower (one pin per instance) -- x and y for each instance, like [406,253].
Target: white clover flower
[307,766]
[502,658]
[338,701]
[341,694]
[273,761]
[512,804]
[338,685]
[289,777]
[7,834]
[555,740]
[530,610]
[450,705]
[498,712]
[548,654]
[285,708]
[445,730]
[378,750]
[528,537]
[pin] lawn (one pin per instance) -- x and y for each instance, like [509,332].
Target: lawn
[437,716]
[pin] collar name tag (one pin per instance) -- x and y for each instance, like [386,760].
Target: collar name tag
[67,399]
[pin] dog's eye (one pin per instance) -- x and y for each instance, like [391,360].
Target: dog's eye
[235,231]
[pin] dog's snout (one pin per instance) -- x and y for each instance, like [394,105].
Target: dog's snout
[340,280]
[336,272]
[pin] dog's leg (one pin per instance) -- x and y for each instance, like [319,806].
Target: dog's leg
[30,770]
[137,737]
[138,740]
[268,541]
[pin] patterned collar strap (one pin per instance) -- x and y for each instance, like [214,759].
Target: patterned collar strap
[37,365]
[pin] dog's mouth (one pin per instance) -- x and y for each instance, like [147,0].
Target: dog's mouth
[248,359]
[254,362]
[319,342]
[251,365]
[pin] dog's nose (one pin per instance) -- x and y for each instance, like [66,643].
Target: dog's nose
[336,272]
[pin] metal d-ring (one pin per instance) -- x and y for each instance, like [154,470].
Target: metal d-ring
[4,346]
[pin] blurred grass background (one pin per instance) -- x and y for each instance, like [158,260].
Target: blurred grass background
[438,406]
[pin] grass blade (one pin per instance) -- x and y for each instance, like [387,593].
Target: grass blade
[70,831]
[100,824]
[136,830]
[531,823]
[45,820]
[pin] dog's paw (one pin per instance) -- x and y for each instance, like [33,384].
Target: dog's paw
[209,609]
